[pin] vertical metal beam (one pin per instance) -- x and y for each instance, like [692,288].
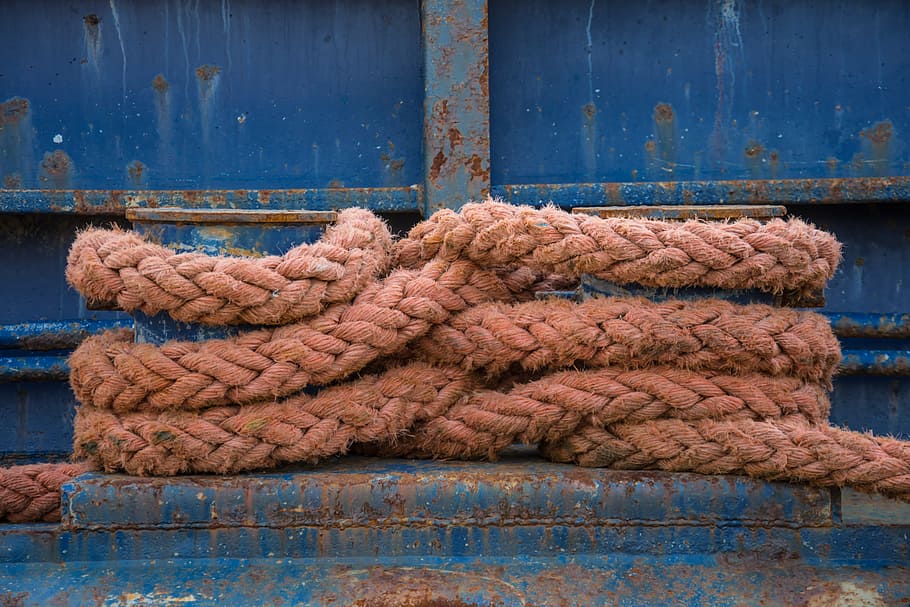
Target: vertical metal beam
[456,129]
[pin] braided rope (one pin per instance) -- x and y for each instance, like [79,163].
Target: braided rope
[790,449]
[111,372]
[300,429]
[120,268]
[440,412]
[31,493]
[708,335]
[774,256]
[706,387]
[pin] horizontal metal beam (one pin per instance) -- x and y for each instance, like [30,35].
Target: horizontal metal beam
[519,490]
[869,325]
[875,362]
[682,211]
[115,202]
[745,191]
[33,368]
[56,335]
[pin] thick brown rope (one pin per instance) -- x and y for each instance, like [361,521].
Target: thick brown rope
[31,493]
[111,372]
[108,371]
[790,449]
[210,407]
[440,412]
[707,335]
[775,256]
[119,268]
[301,429]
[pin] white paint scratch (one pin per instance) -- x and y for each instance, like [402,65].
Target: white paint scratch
[590,49]
[122,47]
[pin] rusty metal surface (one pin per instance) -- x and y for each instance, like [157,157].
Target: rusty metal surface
[115,202]
[528,581]
[676,212]
[875,362]
[391,532]
[229,216]
[735,192]
[367,494]
[456,130]
[870,325]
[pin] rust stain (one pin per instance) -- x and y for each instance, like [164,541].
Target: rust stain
[160,83]
[336,184]
[879,136]
[774,162]
[91,23]
[754,150]
[112,204]
[207,72]
[589,110]
[416,602]
[14,599]
[665,131]
[476,169]
[13,111]
[832,163]
[56,169]
[879,133]
[12,181]
[438,161]
[455,138]
[136,172]
[650,146]
[663,113]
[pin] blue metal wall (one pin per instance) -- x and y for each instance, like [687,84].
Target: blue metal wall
[677,90]
[231,94]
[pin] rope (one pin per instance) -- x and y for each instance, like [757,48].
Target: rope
[775,256]
[460,364]
[121,269]
[708,335]
[437,412]
[789,449]
[31,493]
[111,372]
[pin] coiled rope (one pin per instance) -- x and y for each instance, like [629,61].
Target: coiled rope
[459,363]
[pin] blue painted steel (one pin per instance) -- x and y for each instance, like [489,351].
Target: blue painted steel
[713,90]
[370,493]
[242,233]
[679,212]
[456,105]
[875,362]
[721,192]
[895,326]
[114,202]
[514,531]
[56,335]
[135,95]
[34,367]
[41,318]
[571,580]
